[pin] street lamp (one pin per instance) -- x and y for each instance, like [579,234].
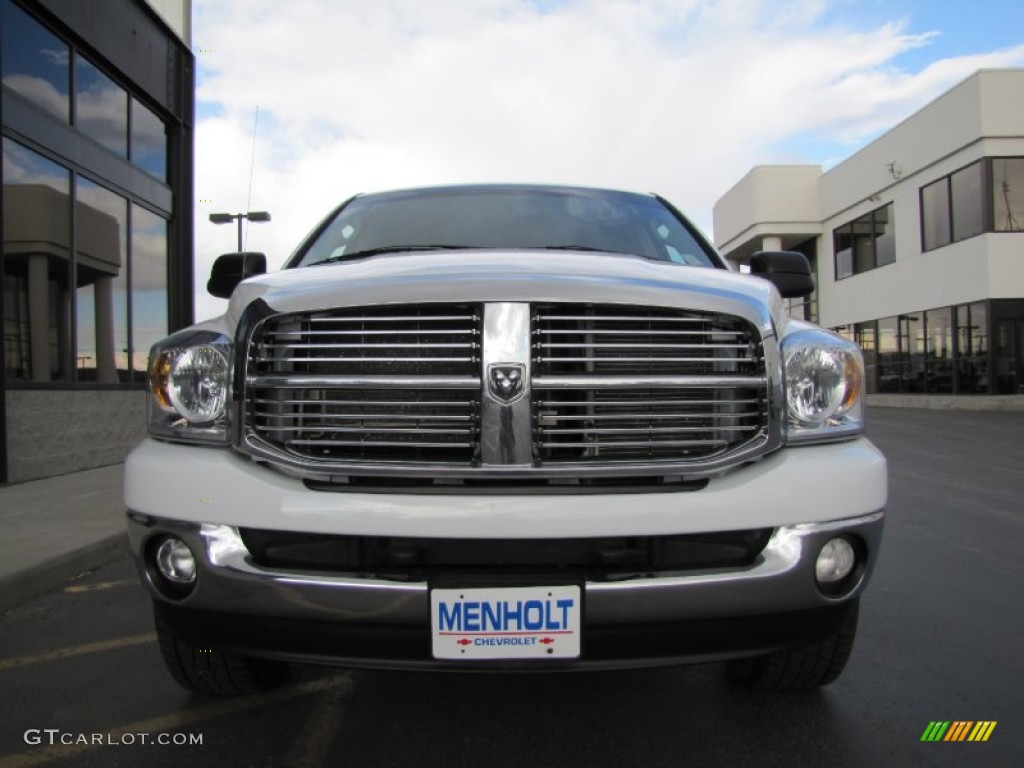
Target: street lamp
[227,218]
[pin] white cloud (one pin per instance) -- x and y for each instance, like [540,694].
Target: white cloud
[675,96]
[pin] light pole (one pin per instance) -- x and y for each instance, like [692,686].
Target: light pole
[227,218]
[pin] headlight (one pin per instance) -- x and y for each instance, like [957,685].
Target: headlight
[824,386]
[190,386]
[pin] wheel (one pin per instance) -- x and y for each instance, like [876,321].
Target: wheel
[215,671]
[803,668]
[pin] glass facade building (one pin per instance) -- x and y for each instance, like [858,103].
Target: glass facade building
[967,349]
[97,119]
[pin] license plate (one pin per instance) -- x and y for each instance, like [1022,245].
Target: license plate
[506,623]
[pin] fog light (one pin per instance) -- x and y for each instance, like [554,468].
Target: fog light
[835,561]
[175,561]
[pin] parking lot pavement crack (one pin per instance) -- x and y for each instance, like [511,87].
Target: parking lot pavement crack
[312,746]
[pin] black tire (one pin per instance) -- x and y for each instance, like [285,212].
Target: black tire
[214,671]
[803,668]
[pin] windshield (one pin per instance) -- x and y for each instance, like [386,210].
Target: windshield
[508,218]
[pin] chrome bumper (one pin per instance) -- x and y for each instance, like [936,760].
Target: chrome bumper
[780,582]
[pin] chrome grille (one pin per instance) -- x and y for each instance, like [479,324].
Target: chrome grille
[388,384]
[612,392]
[625,384]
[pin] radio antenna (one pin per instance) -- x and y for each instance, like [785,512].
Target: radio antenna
[252,166]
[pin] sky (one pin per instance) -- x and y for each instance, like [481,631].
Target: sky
[302,104]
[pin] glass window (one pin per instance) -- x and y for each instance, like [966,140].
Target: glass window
[843,243]
[939,350]
[865,335]
[101,107]
[935,225]
[912,350]
[1008,353]
[35,62]
[149,141]
[37,237]
[1008,194]
[102,284]
[967,198]
[865,243]
[885,236]
[149,285]
[972,347]
[890,362]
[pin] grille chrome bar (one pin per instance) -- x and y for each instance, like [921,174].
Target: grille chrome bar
[390,332]
[650,359]
[648,382]
[640,430]
[339,417]
[619,318]
[377,444]
[364,382]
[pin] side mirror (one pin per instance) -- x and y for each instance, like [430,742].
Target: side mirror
[788,271]
[231,269]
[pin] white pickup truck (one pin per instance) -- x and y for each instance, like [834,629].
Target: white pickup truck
[504,428]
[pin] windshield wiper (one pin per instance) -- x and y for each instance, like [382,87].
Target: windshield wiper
[389,249]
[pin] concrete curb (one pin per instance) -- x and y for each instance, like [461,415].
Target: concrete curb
[949,402]
[29,583]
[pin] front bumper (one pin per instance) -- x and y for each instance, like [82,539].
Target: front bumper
[646,620]
[806,495]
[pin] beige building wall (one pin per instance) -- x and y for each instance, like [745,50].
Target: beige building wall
[981,117]
[177,14]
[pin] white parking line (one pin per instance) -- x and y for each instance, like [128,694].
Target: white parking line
[76,650]
[98,586]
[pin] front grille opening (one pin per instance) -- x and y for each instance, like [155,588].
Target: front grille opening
[645,341]
[377,384]
[407,340]
[414,425]
[710,398]
[415,559]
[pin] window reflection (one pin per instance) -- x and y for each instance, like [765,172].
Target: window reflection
[101,284]
[885,237]
[965,188]
[939,350]
[866,243]
[843,245]
[37,236]
[890,368]
[101,107]
[912,348]
[35,63]
[972,347]
[1008,193]
[935,214]
[149,141]
[149,285]
[865,336]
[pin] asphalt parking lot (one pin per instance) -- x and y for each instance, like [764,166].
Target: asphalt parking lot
[940,639]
